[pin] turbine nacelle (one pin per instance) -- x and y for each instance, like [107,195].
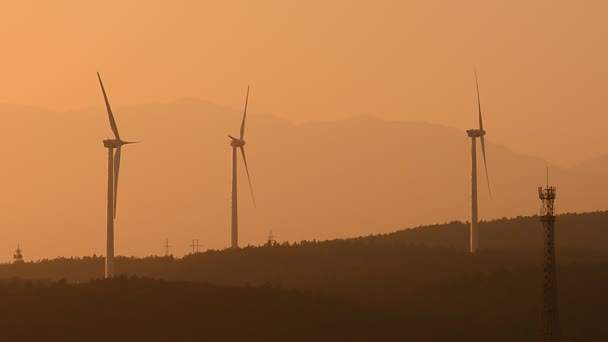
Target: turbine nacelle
[476,133]
[111,143]
[236,142]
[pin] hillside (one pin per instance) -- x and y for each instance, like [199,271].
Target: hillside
[417,284]
[372,270]
[584,231]
[316,180]
[497,306]
[505,306]
[132,309]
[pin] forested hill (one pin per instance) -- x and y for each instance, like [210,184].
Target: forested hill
[421,278]
[498,306]
[136,309]
[406,259]
[588,231]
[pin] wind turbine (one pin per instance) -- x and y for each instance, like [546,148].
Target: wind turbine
[474,134]
[238,144]
[113,168]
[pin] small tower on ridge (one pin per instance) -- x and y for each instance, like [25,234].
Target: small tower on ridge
[271,240]
[18,257]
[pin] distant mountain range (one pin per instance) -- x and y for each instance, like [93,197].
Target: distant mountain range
[316,180]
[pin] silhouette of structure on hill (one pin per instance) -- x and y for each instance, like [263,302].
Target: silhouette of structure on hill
[113,169]
[474,134]
[271,240]
[167,247]
[550,330]
[195,246]
[238,143]
[18,257]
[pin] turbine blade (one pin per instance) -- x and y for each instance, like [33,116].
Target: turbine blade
[244,115]
[112,121]
[231,137]
[478,101]
[485,164]
[248,177]
[116,170]
[483,143]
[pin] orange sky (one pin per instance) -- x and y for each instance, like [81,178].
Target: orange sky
[542,69]
[405,60]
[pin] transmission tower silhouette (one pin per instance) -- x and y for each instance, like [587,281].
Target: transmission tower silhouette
[194,246]
[549,327]
[167,247]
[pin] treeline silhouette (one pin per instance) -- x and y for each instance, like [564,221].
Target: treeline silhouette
[585,231]
[505,306]
[423,279]
[410,258]
[135,309]
[498,306]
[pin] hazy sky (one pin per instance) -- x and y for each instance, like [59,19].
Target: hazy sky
[542,71]
[542,64]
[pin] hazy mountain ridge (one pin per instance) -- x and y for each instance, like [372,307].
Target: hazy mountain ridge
[317,180]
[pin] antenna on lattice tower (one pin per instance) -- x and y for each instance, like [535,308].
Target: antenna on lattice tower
[549,327]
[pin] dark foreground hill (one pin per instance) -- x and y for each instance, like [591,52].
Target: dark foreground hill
[131,309]
[497,306]
[505,306]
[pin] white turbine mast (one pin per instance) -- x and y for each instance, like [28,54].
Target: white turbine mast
[236,145]
[113,169]
[474,134]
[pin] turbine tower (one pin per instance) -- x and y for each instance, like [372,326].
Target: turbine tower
[236,145]
[550,330]
[113,168]
[474,134]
